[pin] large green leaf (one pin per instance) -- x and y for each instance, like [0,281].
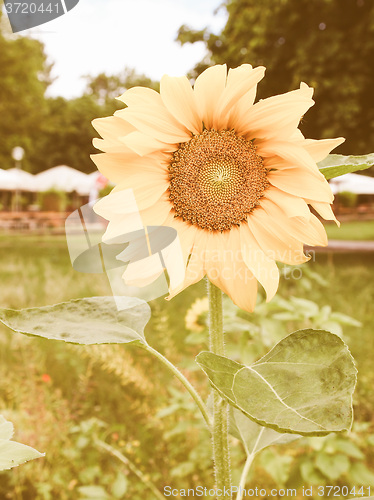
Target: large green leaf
[94,320]
[304,385]
[13,454]
[336,165]
[255,437]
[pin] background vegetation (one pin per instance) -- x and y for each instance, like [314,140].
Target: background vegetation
[62,398]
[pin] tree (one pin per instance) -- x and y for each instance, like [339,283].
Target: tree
[24,77]
[66,133]
[106,88]
[327,44]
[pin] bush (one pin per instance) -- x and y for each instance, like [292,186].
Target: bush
[348,199]
[53,200]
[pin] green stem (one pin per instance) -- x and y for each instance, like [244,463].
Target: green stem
[244,475]
[131,466]
[181,378]
[221,453]
[247,465]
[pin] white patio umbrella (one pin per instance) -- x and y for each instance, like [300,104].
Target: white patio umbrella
[62,178]
[352,183]
[25,180]
[8,181]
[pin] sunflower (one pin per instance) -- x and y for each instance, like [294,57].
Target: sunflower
[234,178]
[195,319]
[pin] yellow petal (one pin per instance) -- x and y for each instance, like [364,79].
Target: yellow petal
[297,136]
[143,272]
[324,210]
[172,256]
[116,204]
[140,96]
[293,154]
[155,121]
[157,214]
[230,273]
[118,166]
[300,182]
[148,189]
[276,116]
[108,146]
[120,226]
[272,232]
[208,88]
[179,99]
[112,127]
[195,267]
[144,145]
[122,212]
[242,291]
[293,232]
[291,205]
[263,267]
[187,233]
[319,149]
[238,96]
[309,232]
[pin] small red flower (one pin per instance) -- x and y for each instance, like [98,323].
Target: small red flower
[46,378]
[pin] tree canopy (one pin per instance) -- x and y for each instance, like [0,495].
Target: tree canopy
[325,43]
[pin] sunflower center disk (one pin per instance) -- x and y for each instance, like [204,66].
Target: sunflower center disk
[216,180]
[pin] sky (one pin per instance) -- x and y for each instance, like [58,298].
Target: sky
[108,35]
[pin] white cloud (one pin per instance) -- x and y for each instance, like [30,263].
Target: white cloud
[105,36]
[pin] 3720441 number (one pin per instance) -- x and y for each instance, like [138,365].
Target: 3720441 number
[339,491]
[31,8]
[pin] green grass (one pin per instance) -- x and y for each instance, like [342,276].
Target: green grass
[356,230]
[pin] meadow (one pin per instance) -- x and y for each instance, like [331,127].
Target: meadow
[68,400]
[353,230]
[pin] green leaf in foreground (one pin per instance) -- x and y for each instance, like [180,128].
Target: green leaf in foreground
[255,437]
[13,454]
[304,385]
[94,320]
[336,165]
